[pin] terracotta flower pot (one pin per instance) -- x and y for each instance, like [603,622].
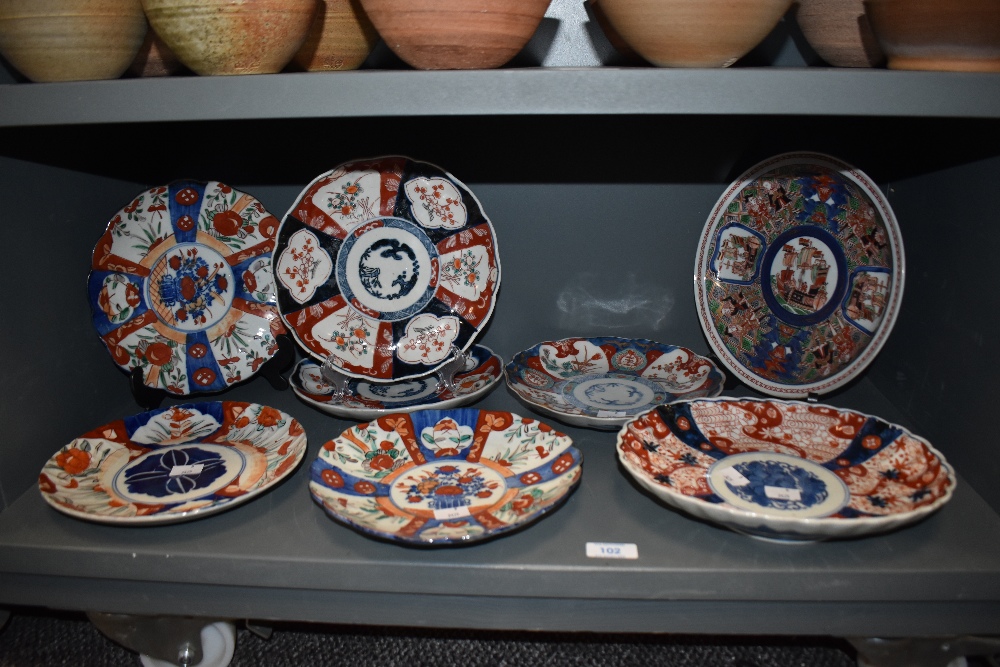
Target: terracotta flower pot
[216,37]
[694,33]
[840,32]
[950,35]
[456,34]
[71,40]
[341,37]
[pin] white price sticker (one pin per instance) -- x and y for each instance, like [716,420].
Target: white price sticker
[610,413]
[194,469]
[452,513]
[779,493]
[612,550]
[734,477]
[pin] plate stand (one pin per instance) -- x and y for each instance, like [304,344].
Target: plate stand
[459,361]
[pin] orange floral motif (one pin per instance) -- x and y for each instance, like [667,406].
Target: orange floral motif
[73,460]
[268,417]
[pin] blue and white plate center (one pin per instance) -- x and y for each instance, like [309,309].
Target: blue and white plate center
[179,473]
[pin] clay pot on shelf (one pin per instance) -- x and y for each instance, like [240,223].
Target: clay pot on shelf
[71,40]
[694,33]
[340,37]
[154,58]
[225,37]
[619,44]
[840,32]
[457,34]
[945,35]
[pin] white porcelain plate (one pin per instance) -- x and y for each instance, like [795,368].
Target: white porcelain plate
[386,267]
[799,275]
[368,400]
[173,464]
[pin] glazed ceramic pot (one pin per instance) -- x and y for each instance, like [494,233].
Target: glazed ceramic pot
[840,32]
[340,37]
[222,37]
[619,44]
[154,58]
[694,33]
[71,40]
[957,35]
[459,34]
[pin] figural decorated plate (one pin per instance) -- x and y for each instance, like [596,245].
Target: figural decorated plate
[480,371]
[385,267]
[799,275]
[173,464]
[181,287]
[785,470]
[444,477]
[604,382]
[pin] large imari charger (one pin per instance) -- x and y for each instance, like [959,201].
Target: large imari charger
[173,464]
[181,287]
[385,267]
[785,470]
[799,275]
[444,477]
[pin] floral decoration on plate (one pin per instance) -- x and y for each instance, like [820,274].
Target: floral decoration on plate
[386,266]
[445,477]
[368,400]
[181,287]
[603,382]
[799,274]
[785,470]
[173,464]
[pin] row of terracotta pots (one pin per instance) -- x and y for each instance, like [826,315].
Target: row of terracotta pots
[59,40]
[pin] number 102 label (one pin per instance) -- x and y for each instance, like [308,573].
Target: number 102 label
[612,550]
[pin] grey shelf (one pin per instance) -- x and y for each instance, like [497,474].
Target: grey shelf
[568,165]
[798,91]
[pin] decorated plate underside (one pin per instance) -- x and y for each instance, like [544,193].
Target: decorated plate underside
[181,287]
[609,379]
[173,464]
[783,468]
[365,400]
[385,266]
[799,275]
[445,476]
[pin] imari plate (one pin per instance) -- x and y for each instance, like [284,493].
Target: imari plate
[785,470]
[385,267]
[603,382]
[364,400]
[173,464]
[799,275]
[181,287]
[445,477]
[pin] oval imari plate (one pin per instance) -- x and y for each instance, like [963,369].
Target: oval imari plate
[605,381]
[181,287]
[785,470]
[386,266]
[368,400]
[445,477]
[799,275]
[173,464]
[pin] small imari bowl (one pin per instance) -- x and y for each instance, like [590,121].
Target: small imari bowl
[181,287]
[787,471]
[603,382]
[445,477]
[173,464]
[368,400]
